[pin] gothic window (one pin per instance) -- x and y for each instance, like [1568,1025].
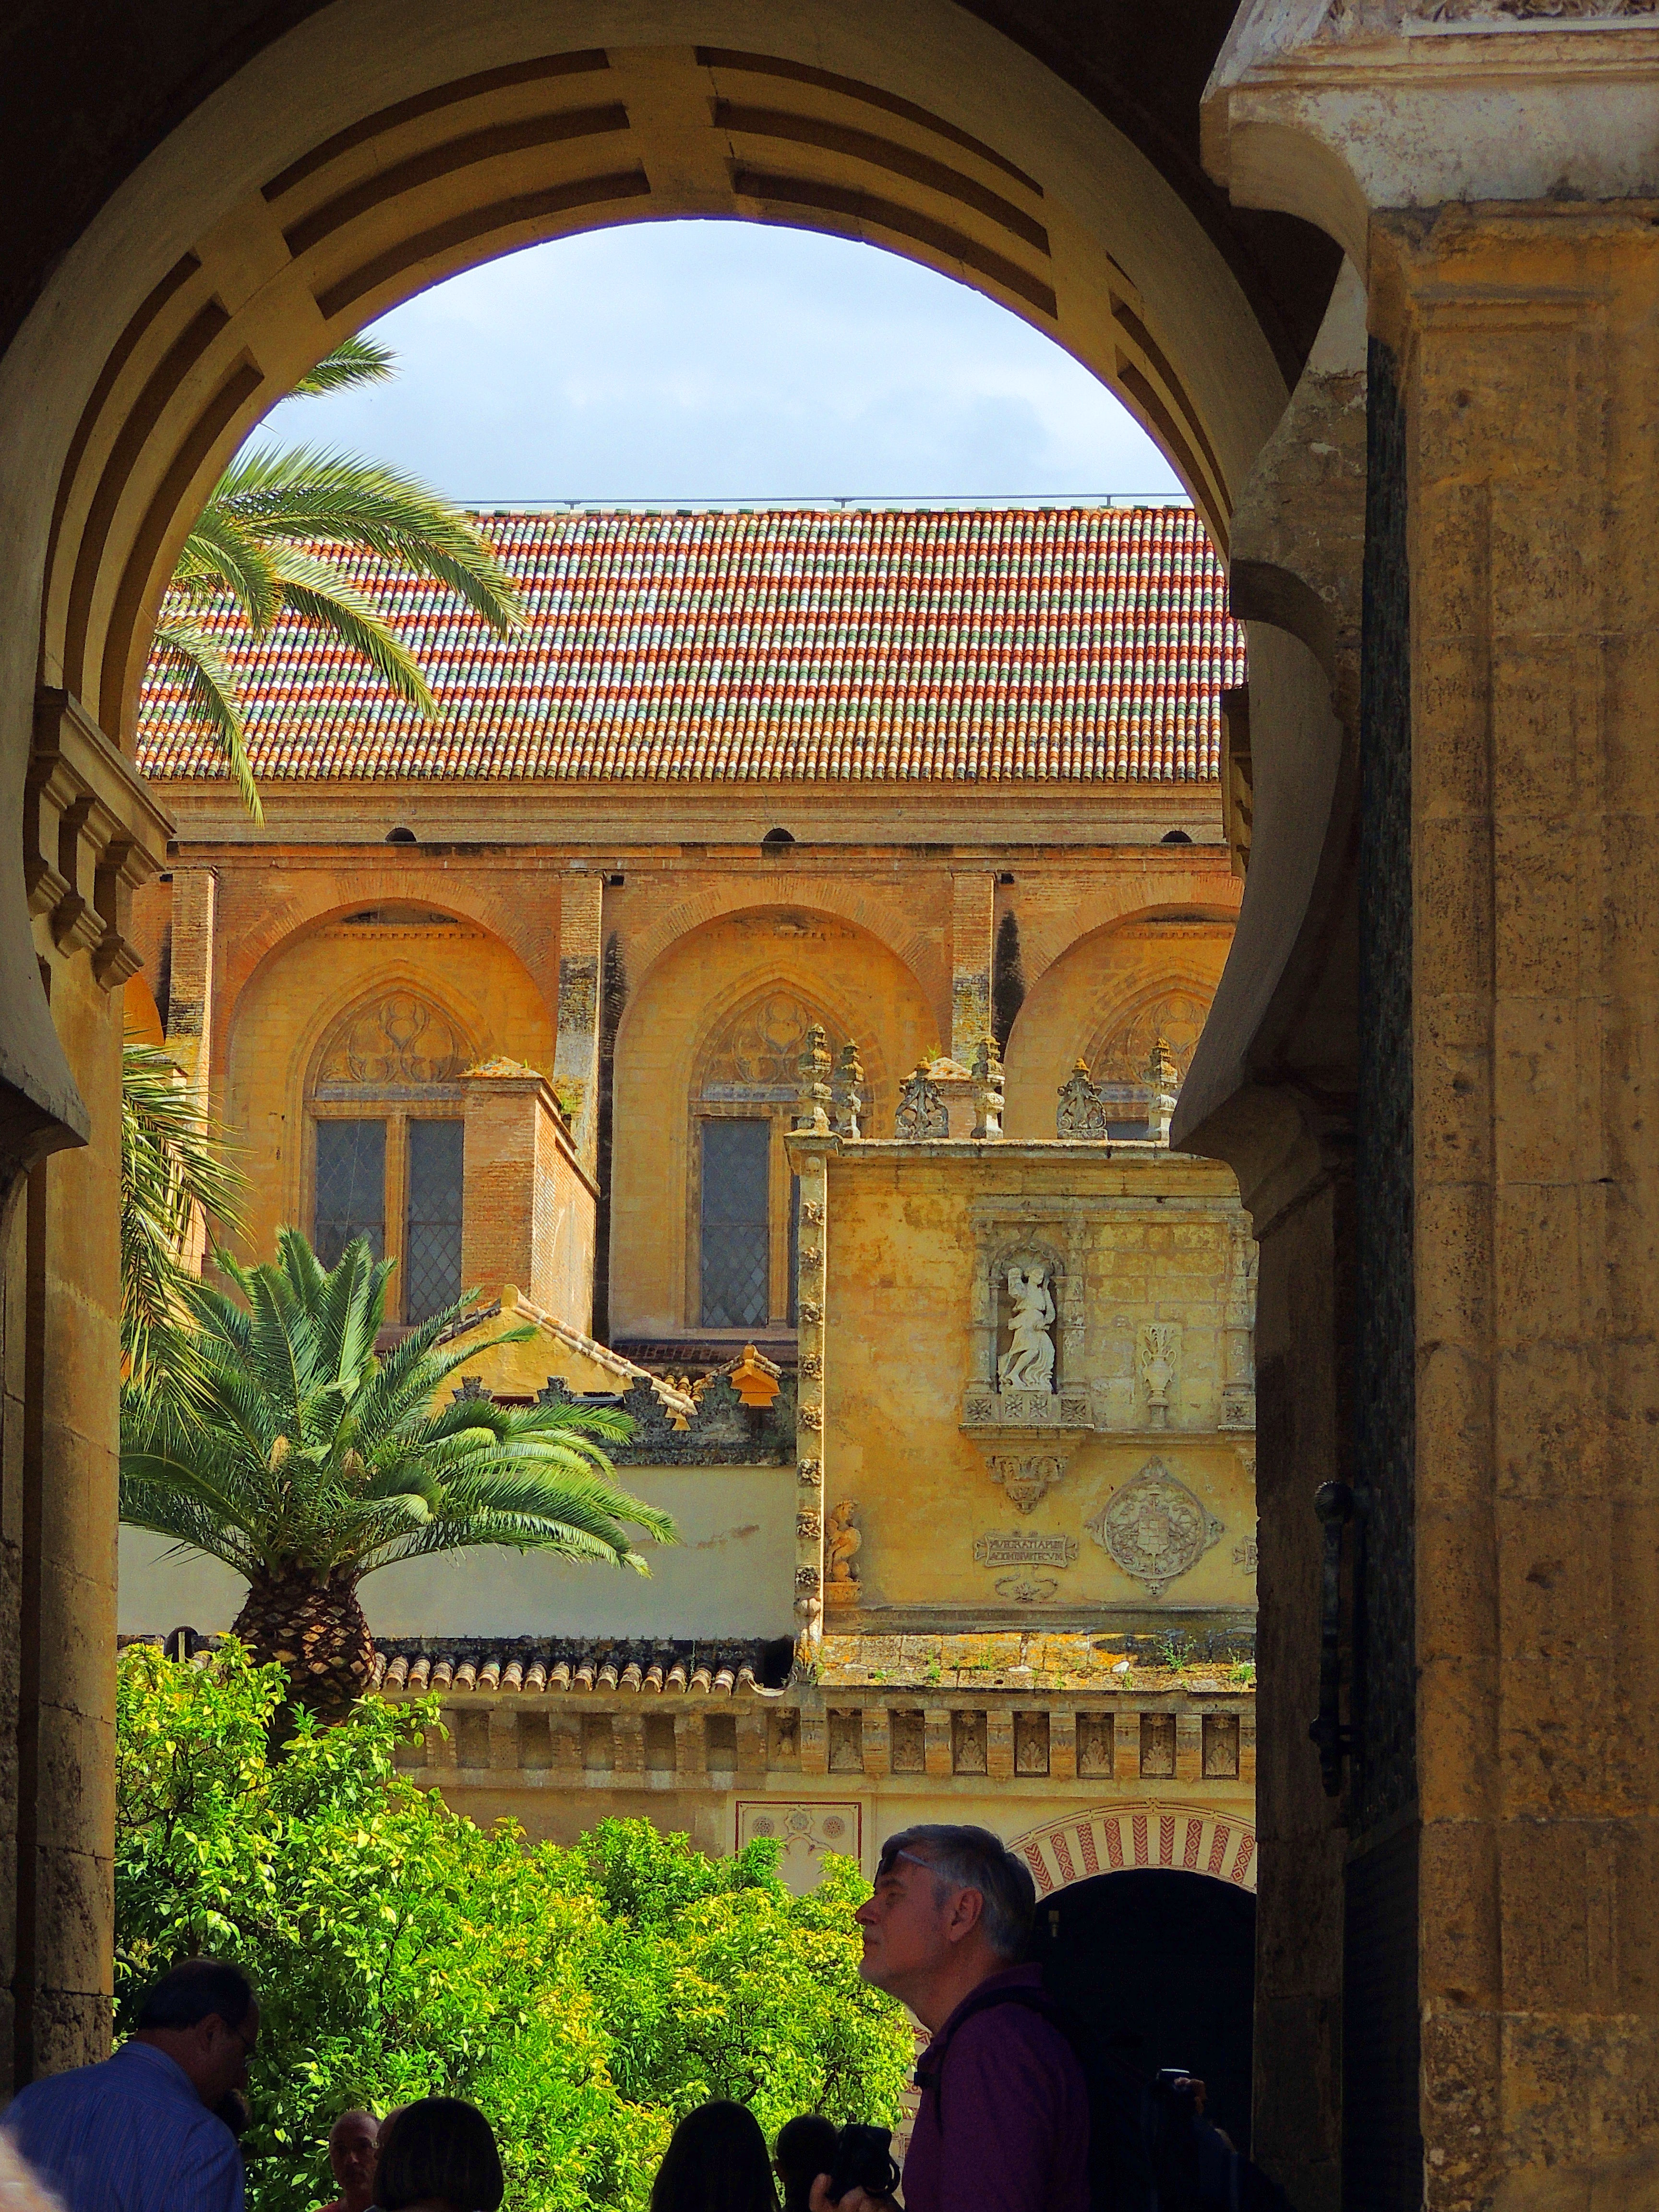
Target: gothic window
[737,1246]
[387,1158]
[432,1235]
[350,1188]
[1122,1044]
[746,1205]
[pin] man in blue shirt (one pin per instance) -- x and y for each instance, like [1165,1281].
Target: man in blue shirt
[138,2134]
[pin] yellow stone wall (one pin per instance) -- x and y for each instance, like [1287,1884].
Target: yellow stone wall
[1157,1238]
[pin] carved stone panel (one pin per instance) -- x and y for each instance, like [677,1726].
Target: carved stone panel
[1017,1547]
[1094,1746]
[1155,1527]
[909,1742]
[1027,1477]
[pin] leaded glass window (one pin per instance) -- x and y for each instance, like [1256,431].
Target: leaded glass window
[350,1188]
[432,1241]
[736,1239]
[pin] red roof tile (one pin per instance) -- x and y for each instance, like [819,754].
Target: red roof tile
[1070,643]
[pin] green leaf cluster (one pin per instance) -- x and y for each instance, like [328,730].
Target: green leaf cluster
[585,1997]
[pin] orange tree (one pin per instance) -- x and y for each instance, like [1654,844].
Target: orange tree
[585,1997]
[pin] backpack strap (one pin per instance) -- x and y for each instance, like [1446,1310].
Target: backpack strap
[985,2000]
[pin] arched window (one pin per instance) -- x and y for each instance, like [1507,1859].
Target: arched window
[745,1202]
[1175,1010]
[387,1151]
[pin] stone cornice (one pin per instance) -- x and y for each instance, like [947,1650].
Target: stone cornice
[92,833]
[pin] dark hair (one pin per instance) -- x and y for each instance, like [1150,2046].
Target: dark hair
[187,1993]
[232,2109]
[973,1858]
[805,2149]
[716,2162]
[439,2146]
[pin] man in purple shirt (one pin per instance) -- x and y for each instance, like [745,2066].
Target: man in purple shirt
[138,2133]
[1004,2123]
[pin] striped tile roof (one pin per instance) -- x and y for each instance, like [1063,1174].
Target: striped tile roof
[993,644]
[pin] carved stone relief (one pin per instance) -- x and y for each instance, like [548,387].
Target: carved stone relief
[841,1545]
[1080,1115]
[1155,1527]
[921,1112]
[1159,1361]
[401,1039]
[1027,1589]
[1015,1547]
[1028,1477]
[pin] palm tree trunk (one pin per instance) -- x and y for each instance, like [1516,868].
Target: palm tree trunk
[317,1631]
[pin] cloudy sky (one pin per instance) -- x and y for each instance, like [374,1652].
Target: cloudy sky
[726,360]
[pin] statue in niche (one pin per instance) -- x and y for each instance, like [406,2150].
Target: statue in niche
[1028,1361]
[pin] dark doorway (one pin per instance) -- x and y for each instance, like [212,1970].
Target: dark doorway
[1170,1958]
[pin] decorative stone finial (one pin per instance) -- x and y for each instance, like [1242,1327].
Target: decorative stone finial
[921,1112]
[812,1112]
[848,1091]
[1163,1080]
[1080,1116]
[988,1088]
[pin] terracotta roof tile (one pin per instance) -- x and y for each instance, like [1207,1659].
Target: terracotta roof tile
[991,644]
[536,1666]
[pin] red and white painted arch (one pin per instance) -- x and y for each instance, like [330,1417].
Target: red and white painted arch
[1152,1834]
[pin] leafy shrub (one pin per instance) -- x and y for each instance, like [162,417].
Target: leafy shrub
[584,1997]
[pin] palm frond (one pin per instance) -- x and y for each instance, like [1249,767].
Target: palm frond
[221,558]
[306,1456]
[309,493]
[207,684]
[320,596]
[359,360]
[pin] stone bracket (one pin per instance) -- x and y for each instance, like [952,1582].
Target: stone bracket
[92,834]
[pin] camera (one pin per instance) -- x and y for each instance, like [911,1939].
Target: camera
[863,2160]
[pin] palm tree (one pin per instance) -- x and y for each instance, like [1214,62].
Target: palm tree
[249,548]
[310,1462]
[178,1181]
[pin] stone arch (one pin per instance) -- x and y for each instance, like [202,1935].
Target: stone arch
[1144,971]
[920,952]
[1145,1834]
[379,169]
[703,977]
[777,1044]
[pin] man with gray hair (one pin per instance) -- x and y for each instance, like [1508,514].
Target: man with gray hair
[1004,2123]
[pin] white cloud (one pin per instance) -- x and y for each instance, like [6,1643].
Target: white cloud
[710,360]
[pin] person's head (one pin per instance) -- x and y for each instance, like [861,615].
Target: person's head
[804,2148]
[352,2142]
[951,1906]
[202,2013]
[716,2162]
[439,2150]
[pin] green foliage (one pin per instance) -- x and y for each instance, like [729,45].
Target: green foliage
[585,1997]
[307,1455]
[248,551]
[177,1177]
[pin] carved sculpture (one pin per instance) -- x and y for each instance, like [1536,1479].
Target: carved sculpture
[1028,1361]
[1027,1589]
[922,1111]
[809,1473]
[1080,1116]
[1155,1527]
[1160,1353]
[401,1039]
[1027,1477]
[987,1089]
[847,1093]
[812,1111]
[841,1544]
[1163,1081]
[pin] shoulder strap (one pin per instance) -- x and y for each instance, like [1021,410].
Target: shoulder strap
[985,2000]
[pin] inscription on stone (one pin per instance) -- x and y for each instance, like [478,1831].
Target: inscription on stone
[1013,1547]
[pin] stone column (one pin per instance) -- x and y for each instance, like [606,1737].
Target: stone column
[809,1143]
[973,929]
[576,1050]
[1496,181]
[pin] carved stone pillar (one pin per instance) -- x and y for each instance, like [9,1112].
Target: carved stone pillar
[92,833]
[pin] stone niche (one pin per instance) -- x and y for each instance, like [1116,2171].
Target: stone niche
[1028,1322]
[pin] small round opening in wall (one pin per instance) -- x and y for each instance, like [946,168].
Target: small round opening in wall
[1175,837]
[400,835]
[777,841]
